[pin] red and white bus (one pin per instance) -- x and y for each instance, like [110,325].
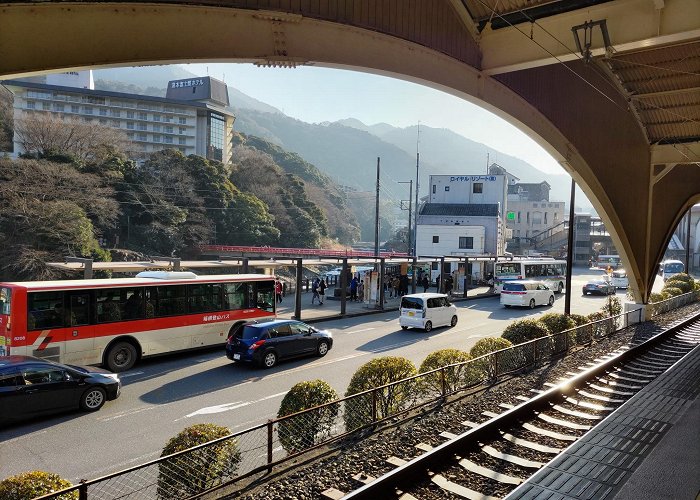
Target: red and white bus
[116,322]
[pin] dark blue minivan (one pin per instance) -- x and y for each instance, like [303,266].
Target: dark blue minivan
[266,343]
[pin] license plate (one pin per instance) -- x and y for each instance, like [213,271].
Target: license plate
[236,356]
[411,314]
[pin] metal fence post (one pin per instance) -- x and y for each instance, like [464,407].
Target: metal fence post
[82,490]
[374,405]
[444,382]
[534,354]
[269,445]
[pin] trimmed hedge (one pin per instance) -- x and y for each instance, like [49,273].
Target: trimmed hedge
[456,377]
[29,485]
[556,322]
[487,367]
[197,471]
[376,373]
[579,319]
[685,286]
[523,330]
[306,430]
[673,291]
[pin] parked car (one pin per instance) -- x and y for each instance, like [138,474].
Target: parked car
[601,286]
[426,310]
[32,386]
[619,279]
[526,293]
[267,343]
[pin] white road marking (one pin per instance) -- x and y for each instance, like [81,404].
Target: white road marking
[131,374]
[126,413]
[228,406]
[361,330]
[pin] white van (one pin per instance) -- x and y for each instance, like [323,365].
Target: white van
[526,293]
[426,310]
[619,279]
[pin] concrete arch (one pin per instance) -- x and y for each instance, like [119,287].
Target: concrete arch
[589,134]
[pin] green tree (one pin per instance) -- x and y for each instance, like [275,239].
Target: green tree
[29,485]
[305,430]
[455,377]
[376,373]
[191,473]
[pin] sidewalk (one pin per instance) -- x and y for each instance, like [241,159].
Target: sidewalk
[331,306]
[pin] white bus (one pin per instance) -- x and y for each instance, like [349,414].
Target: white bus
[552,272]
[670,267]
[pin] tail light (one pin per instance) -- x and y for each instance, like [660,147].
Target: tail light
[257,344]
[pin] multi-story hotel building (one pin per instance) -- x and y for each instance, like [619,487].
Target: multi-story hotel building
[194,117]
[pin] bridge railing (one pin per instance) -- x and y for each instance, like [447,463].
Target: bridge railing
[259,448]
[314,252]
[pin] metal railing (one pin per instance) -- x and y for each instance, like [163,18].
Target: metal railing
[260,448]
[673,303]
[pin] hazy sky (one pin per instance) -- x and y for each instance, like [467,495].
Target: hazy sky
[315,95]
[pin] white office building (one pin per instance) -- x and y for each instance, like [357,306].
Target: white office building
[194,117]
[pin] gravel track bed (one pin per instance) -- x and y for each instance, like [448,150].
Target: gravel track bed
[335,468]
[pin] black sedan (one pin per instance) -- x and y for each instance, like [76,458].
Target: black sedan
[599,287]
[32,386]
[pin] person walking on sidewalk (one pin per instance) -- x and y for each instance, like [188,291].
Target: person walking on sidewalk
[425,283]
[314,291]
[353,289]
[278,290]
[321,291]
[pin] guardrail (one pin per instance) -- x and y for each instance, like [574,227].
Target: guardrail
[260,448]
[673,303]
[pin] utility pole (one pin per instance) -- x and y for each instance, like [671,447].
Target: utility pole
[410,201]
[376,216]
[570,251]
[415,213]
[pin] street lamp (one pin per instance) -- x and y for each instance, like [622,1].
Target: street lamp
[410,200]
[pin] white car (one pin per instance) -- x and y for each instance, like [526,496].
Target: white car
[525,293]
[426,310]
[619,279]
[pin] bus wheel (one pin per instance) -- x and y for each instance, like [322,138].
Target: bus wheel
[121,357]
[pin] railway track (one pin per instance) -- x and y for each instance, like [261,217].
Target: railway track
[491,458]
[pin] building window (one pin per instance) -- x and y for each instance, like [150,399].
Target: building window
[130,125]
[168,139]
[478,187]
[168,129]
[545,218]
[156,128]
[116,113]
[58,106]
[436,239]
[168,119]
[116,123]
[447,188]
[156,118]
[518,217]
[434,188]
[74,108]
[129,114]
[182,120]
[31,105]
[103,111]
[156,138]
[143,116]
[130,135]
[217,136]
[183,130]
[87,110]
[46,106]
[141,126]
[466,242]
[182,140]
[141,137]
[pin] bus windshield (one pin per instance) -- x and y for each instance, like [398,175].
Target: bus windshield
[5,300]
[673,267]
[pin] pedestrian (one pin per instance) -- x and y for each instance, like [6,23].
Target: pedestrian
[353,289]
[388,286]
[437,283]
[425,283]
[448,285]
[322,291]
[314,291]
[396,285]
[278,290]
